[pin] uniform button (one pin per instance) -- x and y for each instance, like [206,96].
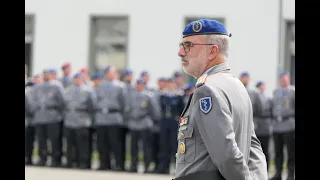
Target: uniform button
[176,155]
[182,135]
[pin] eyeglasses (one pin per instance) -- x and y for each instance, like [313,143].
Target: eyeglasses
[186,45]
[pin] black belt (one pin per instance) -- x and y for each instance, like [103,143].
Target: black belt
[49,107]
[285,118]
[77,110]
[211,175]
[106,110]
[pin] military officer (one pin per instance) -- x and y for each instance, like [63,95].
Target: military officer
[48,102]
[263,123]
[284,126]
[80,100]
[216,137]
[179,81]
[109,119]
[66,79]
[29,114]
[127,79]
[171,104]
[155,130]
[140,122]
[254,97]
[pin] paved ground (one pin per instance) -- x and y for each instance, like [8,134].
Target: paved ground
[44,173]
[36,173]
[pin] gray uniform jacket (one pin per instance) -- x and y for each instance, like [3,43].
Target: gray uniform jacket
[256,105]
[129,100]
[28,108]
[48,102]
[142,111]
[263,123]
[79,106]
[284,110]
[66,81]
[110,106]
[216,131]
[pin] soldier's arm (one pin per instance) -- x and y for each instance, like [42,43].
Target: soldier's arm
[60,98]
[122,100]
[258,105]
[217,132]
[257,164]
[154,108]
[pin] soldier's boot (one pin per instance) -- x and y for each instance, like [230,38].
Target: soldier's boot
[290,175]
[42,162]
[276,177]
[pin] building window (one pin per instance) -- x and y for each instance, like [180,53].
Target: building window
[188,20]
[109,41]
[29,34]
[290,50]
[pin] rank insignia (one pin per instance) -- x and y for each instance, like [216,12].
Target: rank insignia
[202,79]
[205,104]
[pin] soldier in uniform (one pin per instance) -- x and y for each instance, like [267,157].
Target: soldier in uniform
[254,97]
[80,100]
[171,107]
[109,119]
[48,102]
[86,76]
[179,81]
[29,114]
[263,123]
[155,130]
[128,76]
[284,126]
[66,79]
[140,122]
[216,137]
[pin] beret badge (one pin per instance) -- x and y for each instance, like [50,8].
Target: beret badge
[197,26]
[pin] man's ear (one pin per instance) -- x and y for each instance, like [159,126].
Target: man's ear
[213,52]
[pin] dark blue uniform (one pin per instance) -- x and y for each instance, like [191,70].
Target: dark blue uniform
[171,107]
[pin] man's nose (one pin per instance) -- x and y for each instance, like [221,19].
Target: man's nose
[181,52]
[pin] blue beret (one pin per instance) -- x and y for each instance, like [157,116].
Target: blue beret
[177,74]
[189,86]
[52,70]
[284,74]
[205,26]
[244,74]
[144,73]
[96,76]
[259,84]
[46,70]
[127,72]
[140,81]
[77,75]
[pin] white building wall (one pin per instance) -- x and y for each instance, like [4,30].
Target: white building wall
[155,28]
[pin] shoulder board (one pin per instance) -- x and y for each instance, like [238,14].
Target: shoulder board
[201,81]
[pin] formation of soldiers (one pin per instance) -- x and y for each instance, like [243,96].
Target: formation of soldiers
[73,113]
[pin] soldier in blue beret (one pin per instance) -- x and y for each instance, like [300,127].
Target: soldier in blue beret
[283,101]
[216,138]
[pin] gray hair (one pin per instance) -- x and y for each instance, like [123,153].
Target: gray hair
[221,41]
